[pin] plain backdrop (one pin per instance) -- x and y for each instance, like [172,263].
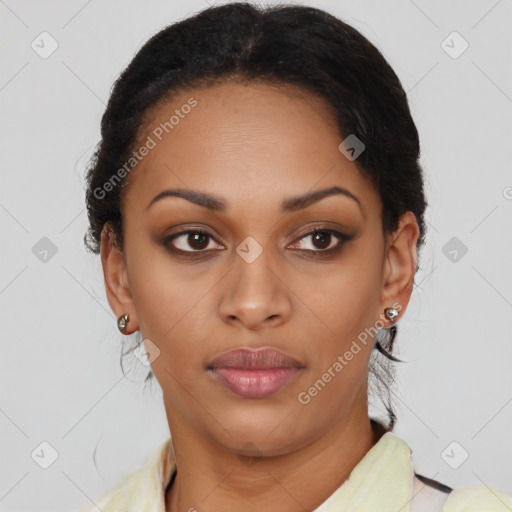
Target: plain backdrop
[61,382]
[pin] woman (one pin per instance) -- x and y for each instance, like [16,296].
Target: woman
[258,206]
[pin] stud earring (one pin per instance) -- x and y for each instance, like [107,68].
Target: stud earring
[122,322]
[391,314]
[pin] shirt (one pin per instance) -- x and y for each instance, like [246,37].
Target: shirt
[383,481]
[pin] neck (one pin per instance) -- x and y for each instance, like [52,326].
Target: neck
[207,483]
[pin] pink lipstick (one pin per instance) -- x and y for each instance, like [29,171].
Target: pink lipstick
[254,373]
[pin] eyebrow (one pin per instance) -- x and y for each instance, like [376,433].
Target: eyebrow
[291,204]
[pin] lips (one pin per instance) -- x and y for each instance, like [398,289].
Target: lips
[254,373]
[249,359]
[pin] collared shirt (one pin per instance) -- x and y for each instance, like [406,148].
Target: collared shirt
[382,481]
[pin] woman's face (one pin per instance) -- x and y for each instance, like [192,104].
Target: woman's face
[256,274]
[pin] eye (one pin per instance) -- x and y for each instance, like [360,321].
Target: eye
[323,241]
[199,241]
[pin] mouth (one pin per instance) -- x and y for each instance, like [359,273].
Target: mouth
[254,374]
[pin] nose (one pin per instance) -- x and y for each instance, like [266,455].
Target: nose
[256,295]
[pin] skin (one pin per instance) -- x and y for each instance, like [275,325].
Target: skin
[254,146]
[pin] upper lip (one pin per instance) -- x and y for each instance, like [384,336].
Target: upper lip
[247,358]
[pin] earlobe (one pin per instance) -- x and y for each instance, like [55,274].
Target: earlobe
[116,279]
[401,261]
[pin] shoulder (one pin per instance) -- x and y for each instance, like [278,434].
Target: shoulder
[477,498]
[141,489]
[429,494]
[116,497]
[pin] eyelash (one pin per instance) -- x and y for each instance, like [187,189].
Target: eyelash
[342,237]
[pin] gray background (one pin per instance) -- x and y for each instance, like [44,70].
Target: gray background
[61,382]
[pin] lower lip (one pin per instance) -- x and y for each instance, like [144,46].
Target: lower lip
[255,383]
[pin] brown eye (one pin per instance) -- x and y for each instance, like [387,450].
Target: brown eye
[190,241]
[322,241]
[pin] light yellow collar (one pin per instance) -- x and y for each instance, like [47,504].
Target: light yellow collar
[382,481]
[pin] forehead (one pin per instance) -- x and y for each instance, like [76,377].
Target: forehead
[244,142]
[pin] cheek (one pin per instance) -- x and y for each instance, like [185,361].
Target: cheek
[345,305]
[346,301]
[165,301]
[156,285]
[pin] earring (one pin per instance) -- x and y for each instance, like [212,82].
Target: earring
[391,314]
[122,322]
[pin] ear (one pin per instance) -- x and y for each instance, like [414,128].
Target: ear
[400,265]
[116,278]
